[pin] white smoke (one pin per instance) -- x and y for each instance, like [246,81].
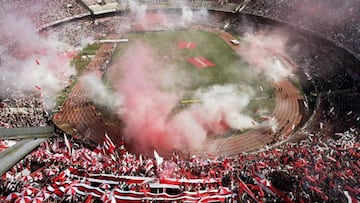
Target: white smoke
[100,94]
[138,10]
[189,16]
[189,134]
[225,103]
[28,61]
[263,50]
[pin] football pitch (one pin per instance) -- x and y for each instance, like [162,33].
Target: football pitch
[208,59]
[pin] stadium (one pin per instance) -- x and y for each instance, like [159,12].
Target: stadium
[179,101]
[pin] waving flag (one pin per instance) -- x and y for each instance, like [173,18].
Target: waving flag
[158,158]
[349,198]
[68,144]
[109,145]
[265,184]
[149,165]
[38,88]
[243,186]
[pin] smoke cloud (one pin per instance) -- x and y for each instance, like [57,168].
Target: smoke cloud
[29,62]
[146,20]
[189,16]
[100,94]
[148,109]
[146,93]
[222,107]
[263,50]
[139,11]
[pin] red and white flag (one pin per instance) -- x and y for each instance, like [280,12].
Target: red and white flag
[109,145]
[67,143]
[349,198]
[158,158]
[37,87]
[149,165]
[265,184]
[243,186]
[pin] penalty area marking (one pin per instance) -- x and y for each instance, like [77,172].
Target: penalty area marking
[200,62]
[186,45]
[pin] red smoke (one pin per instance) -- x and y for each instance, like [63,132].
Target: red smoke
[147,108]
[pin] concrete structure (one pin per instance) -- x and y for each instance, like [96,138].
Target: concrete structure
[24,133]
[14,154]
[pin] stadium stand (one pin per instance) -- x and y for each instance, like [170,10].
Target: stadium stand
[43,12]
[342,29]
[319,165]
[22,109]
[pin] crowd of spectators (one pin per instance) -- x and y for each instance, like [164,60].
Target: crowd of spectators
[334,20]
[328,73]
[83,32]
[320,168]
[324,167]
[23,109]
[77,33]
[42,12]
[57,10]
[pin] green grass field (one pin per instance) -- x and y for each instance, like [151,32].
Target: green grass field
[229,67]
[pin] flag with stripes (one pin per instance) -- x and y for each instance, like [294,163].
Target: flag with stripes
[67,143]
[109,146]
[149,165]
